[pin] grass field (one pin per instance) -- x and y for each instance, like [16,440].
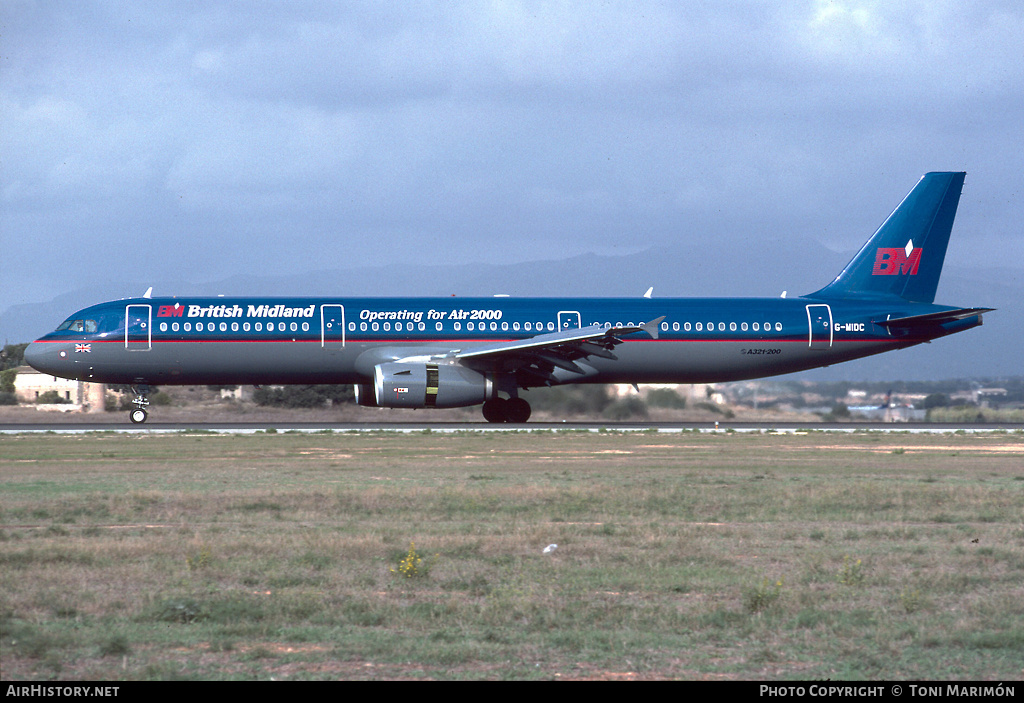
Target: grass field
[708,556]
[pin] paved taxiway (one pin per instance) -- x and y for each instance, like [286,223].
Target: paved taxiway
[251,427]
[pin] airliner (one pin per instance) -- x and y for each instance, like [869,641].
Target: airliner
[456,352]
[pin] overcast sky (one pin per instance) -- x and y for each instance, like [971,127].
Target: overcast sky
[199,140]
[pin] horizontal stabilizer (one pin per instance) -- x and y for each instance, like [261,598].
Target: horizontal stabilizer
[934,318]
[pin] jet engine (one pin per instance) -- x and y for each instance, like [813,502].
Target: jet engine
[423,385]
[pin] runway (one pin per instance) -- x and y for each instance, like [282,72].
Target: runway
[667,427]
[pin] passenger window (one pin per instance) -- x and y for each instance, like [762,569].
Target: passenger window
[700,327]
[664,326]
[515,326]
[756,327]
[438,326]
[223,327]
[778,326]
[174,326]
[551,327]
[732,326]
[376,326]
[494,326]
[458,326]
[259,326]
[188,326]
[675,326]
[743,326]
[234,326]
[163,326]
[686,326]
[470,326]
[528,326]
[245,326]
[421,326]
[362,326]
[351,327]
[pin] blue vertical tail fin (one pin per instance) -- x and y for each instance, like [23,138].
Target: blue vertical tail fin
[904,257]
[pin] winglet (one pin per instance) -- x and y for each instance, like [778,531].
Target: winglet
[651,327]
[148,293]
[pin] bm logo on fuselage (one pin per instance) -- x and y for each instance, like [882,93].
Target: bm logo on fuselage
[170,310]
[894,261]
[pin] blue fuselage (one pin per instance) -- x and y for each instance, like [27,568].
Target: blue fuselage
[340,340]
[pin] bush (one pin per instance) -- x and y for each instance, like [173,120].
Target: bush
[715,408]
[665,398]
[583,399]
[12,356]
[51,397]
[7,377]
[761,596]
[626,408]
[304,396]
[935,400]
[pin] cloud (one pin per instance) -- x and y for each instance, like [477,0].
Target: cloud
[488,131]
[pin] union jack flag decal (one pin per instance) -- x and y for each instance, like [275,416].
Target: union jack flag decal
[83,348]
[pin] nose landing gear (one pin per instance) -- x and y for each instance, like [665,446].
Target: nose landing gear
[138,414]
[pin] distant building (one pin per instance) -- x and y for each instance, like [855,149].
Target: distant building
[238,393]
[30,385]
[982,396]
[896,413]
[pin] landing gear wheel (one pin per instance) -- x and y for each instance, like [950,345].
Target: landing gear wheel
[495,410]
[517,410]
[138,413]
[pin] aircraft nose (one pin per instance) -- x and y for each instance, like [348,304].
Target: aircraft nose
[35,356]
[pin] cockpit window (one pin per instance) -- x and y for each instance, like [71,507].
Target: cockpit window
[87,326]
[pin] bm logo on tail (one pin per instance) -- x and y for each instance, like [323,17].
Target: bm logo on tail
[890,261]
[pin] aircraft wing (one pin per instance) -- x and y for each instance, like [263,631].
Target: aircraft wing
[534,360]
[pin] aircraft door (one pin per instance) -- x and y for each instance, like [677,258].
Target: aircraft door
[138,327]
[819,322]
[568,320]
[332,326]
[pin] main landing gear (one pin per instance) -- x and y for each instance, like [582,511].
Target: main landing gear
[510,410]
[138,414]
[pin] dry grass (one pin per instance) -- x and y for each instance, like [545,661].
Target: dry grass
[725,555]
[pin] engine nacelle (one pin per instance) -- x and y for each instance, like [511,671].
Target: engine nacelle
[424,385]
